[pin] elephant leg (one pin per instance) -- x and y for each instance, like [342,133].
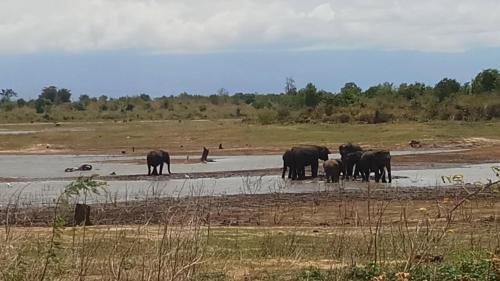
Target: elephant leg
[293,170]
[149,170]
[290,172]
[301,172]
[155,171]
[161,168]
[356,173]
[284,171]
[314,170]
[377,175]
[382,174]
[349,171]
[366,175]
[389,172]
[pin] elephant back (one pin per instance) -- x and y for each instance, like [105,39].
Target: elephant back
[347,148]
[321,152]
[156,157]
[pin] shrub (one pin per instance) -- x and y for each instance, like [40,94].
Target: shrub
[266,116]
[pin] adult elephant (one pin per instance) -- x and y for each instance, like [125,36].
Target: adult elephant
[332,169]
[350,161]
[348,148]
[375,161]
[155,158]
[307,155]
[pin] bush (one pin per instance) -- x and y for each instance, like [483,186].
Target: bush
[493,110]
[342,118]
[267,116]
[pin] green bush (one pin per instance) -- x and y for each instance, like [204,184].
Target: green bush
[267,116]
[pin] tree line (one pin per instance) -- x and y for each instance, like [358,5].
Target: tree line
[446,100]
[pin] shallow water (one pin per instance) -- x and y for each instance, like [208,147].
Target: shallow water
[52,166]
[46,192]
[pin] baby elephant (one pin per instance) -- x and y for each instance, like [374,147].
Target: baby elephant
[332,169]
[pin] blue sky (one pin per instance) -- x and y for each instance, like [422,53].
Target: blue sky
[164,47]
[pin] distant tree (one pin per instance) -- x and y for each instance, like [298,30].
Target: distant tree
[40,105]
[103,98]
[446,88]
[486,81]
[54,95]
[63,95]
[6,95]
[246,98]
[350,93]
[385,88]
[145,97]
[222,92]
[410,91]
[290,88]
[84,99]
[21,103]
[311,96]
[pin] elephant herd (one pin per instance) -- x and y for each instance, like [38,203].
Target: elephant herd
[353,162]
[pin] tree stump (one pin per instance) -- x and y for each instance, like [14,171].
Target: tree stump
[82,214]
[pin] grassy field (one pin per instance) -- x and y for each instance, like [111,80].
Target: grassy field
[185,136]
[425,247]
[448,237]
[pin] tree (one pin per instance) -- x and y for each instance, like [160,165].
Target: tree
[486,81]
[311,96]
[54,95]
[84,99]
[446,88]
[290,88]
[350,93]
[385,88]
[63,95]
[410,91]
[145,97]
[6,95]
[222,92]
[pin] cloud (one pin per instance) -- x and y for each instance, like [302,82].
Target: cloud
[198,26]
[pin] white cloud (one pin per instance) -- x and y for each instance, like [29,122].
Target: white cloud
[220,25]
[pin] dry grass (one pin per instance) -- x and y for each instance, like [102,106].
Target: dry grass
[236,137]
[186,245]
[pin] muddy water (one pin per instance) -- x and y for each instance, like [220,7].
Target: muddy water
[45,192]
[52,166]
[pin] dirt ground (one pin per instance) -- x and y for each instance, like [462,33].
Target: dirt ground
[328,208]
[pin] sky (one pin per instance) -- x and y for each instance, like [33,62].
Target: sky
[164,47]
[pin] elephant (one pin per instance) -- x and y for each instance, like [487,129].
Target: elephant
[155,158]
[287,163]
[348,148]
[375,161]
[332,169]
[350,160]
[306,155]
